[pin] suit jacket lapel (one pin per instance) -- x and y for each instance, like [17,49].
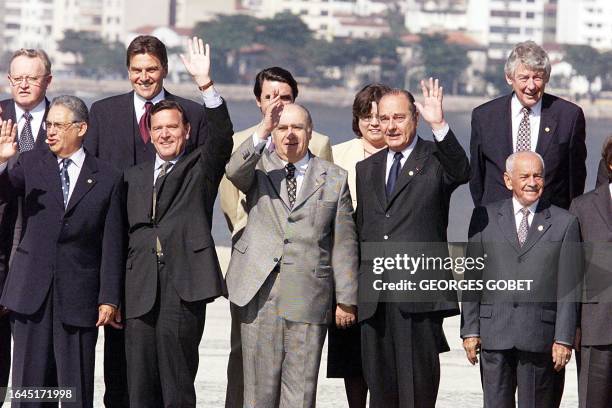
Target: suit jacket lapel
[604,204]
[548,124]
[275,169]
[539,225]
[49,170]
[506,132]
[507,223]
[378,170]
[412,167]
[313,180]
[84,183]
[145,186]
[42,131]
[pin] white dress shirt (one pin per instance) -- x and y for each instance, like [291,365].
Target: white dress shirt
[534,121]
[74,169]
[518,215]
[438,134]
[38,113]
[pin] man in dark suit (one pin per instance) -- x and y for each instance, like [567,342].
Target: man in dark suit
[526,335]
[118,134]
[29,77]
[172,265]
[594,211]
[528,119]
[65,278]
[403,196]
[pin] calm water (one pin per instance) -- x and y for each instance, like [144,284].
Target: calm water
[335,122]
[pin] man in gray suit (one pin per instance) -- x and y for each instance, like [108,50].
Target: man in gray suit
[525,334]
[299,248]
[594,211]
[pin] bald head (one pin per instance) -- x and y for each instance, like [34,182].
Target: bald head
[524,176]
[292,135]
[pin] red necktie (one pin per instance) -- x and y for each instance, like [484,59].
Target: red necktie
[143,124]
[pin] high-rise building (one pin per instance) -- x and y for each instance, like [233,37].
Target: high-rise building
[585,22]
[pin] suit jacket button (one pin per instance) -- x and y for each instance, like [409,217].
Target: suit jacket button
[275,259]
[387,215]
[386,237]
[515,305]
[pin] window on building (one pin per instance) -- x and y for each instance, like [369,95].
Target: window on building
[505,13]
[528,31]
[303,12]
[504,30]
[529,14]
[324,12]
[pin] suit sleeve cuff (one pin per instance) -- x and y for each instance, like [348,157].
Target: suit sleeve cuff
[212,98]
[440,134]
[467,336]
[258,143]
[564,343]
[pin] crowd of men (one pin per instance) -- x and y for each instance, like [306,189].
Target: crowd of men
[106,221]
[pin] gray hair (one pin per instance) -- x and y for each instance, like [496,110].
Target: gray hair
[32,53]
[512,158]
[531,55]
[74,105]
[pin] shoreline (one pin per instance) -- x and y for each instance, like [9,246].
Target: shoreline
[336,97]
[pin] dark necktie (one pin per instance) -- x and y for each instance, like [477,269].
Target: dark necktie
[291,183]
[26,139]
[143,124]
[65,179]
[394,173]
[523,228]
[158,180]
[523,138]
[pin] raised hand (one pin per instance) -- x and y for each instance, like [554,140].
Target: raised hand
[8,140]
[431,108]
[197,62]
[271,116]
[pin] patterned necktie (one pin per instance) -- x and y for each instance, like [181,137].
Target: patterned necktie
[26,141]
[523,228]
[291,183]
[394,173]
[143,123]
[523,139]
[65,179]
[158,179]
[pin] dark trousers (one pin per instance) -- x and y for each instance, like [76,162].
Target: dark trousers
[234,394]
[400,356]
[533,373]
[49,353]
[115,371]
[595,381]
[5,353]
[162,349]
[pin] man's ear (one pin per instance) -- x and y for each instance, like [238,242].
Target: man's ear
[508,180]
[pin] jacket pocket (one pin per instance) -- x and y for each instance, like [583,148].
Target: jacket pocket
[241,246]
[200,243]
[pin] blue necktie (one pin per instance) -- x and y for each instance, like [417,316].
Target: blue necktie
[394,173]
[65,179]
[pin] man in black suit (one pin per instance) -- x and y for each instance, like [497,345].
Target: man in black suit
[528,119]
[65,277]
[403,196]
[29,77]
[526,335]
[118,133]
[172,265]
[594,211]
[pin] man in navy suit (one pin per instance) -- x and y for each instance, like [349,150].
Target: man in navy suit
[118,133]
[29,76]
[65,277]
[528,119]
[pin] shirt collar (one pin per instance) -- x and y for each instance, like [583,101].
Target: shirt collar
[516,107]
[407,150]
[139,101]
[159,161]
[302,164]
[78,157]
[518,206]
[38,109]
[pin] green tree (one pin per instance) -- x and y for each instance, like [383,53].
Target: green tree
[586,61]
[442,60]
[93,55]
[496,76]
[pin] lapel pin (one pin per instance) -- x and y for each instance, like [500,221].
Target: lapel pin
[89,181]
[547,129]
[540,228]
[411,173]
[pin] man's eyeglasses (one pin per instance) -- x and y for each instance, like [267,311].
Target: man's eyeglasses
[31,80]
[61,126]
